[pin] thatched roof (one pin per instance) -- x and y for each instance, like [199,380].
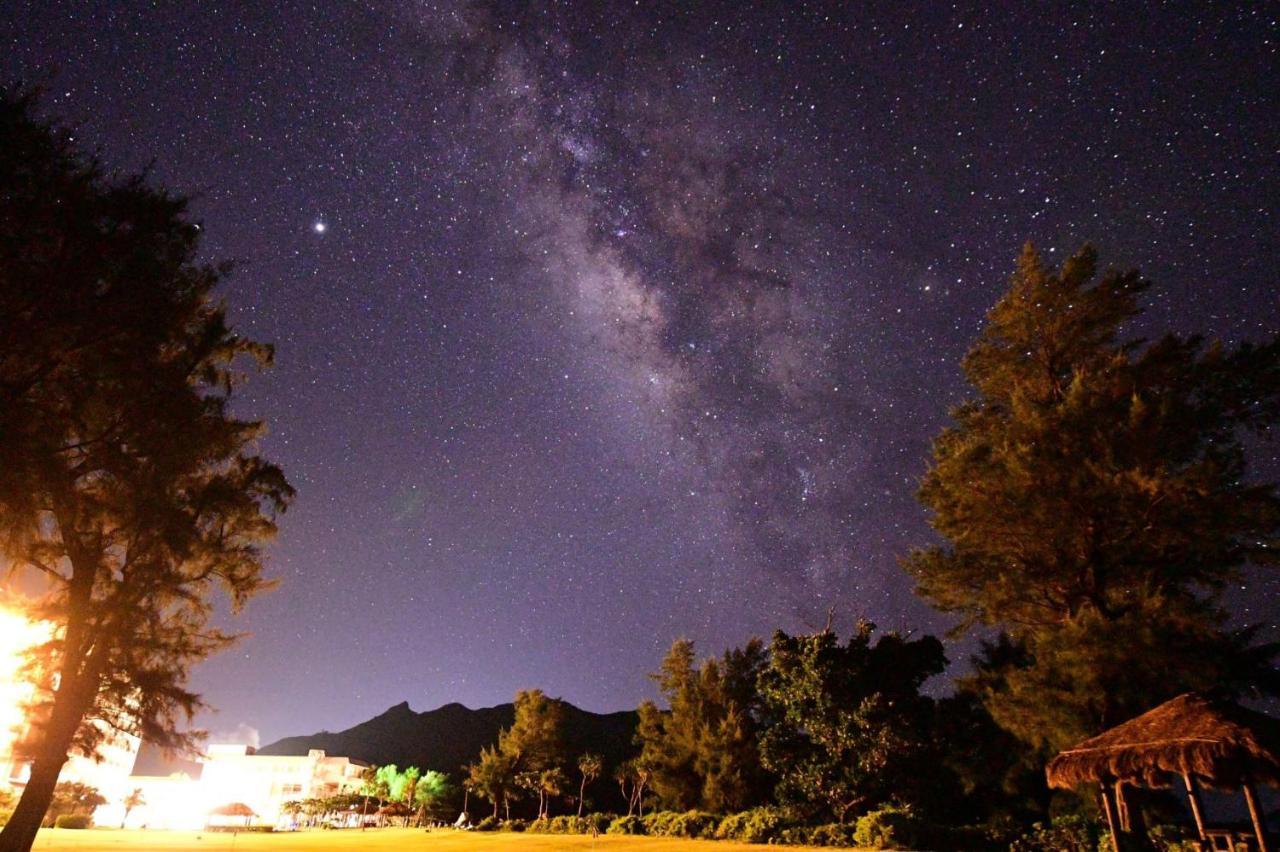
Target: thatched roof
[235,809]
[1216,740]
[394,809]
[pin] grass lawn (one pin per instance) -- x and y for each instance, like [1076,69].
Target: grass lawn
[399,839]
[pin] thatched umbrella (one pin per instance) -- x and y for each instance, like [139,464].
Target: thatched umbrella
[1195,737]
[394,809]
[235,809]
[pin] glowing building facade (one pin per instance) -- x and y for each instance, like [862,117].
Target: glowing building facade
[225,775]
[235,774]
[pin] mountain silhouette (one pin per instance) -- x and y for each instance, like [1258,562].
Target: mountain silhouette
[451,736]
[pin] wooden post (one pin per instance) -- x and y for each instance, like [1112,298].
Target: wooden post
[1109,808]
[1193,796]
[1122,808]
[1255,813]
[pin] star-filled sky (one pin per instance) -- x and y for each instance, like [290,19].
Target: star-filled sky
[600,324]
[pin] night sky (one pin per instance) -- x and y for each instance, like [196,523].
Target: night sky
[600,324]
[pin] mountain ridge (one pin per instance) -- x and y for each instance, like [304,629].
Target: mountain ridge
[451,736]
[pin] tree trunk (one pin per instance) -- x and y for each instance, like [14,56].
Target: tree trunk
[19,833]
[581,790]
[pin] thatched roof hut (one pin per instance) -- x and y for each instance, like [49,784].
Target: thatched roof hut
[1197,738]
[234,809]
[395,809]
[1220,742]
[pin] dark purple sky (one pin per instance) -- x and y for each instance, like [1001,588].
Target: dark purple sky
[633,324]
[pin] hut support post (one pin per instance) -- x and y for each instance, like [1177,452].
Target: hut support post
[1109,808]
[1193,796]
[1122,807]
[1255,813]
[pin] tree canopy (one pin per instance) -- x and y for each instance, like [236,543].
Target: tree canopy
[127,485]
[849,729]
[702,750]
[1095,500]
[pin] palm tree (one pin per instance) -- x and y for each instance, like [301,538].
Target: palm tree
[550,783]
[590,766]
[368,787]
[131,801]
[410,778]
[293,808]
[491,778]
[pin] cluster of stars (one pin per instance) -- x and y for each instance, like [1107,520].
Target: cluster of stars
[599,325]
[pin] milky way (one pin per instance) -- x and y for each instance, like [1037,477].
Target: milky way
[600,324]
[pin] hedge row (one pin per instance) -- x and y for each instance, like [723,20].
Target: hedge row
[72,821]
[1075,834]
[888,828]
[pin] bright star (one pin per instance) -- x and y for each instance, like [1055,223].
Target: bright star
[319,227]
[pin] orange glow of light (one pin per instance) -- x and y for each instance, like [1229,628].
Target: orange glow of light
[18,635]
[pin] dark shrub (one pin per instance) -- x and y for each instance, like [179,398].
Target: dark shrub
[758,825]
[568,825]
[888,828]
[73,821]
[1167,838]
[695,824]
[600,822]
[626,825]
[1068,834]
[487,824]
[515,825]
[832,834]
[658,823]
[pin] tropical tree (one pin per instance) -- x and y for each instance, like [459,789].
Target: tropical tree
[702,750]
[133,800]
[294,808]
[850,729]
[625,778]
[129,492]
[589,768]
[386,783]
[72,797]
[551,783]
[492,777]
[408,781]
[533,746]
[633,776]
[535,740]
[368,786]
[1096,500]
[430,791]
